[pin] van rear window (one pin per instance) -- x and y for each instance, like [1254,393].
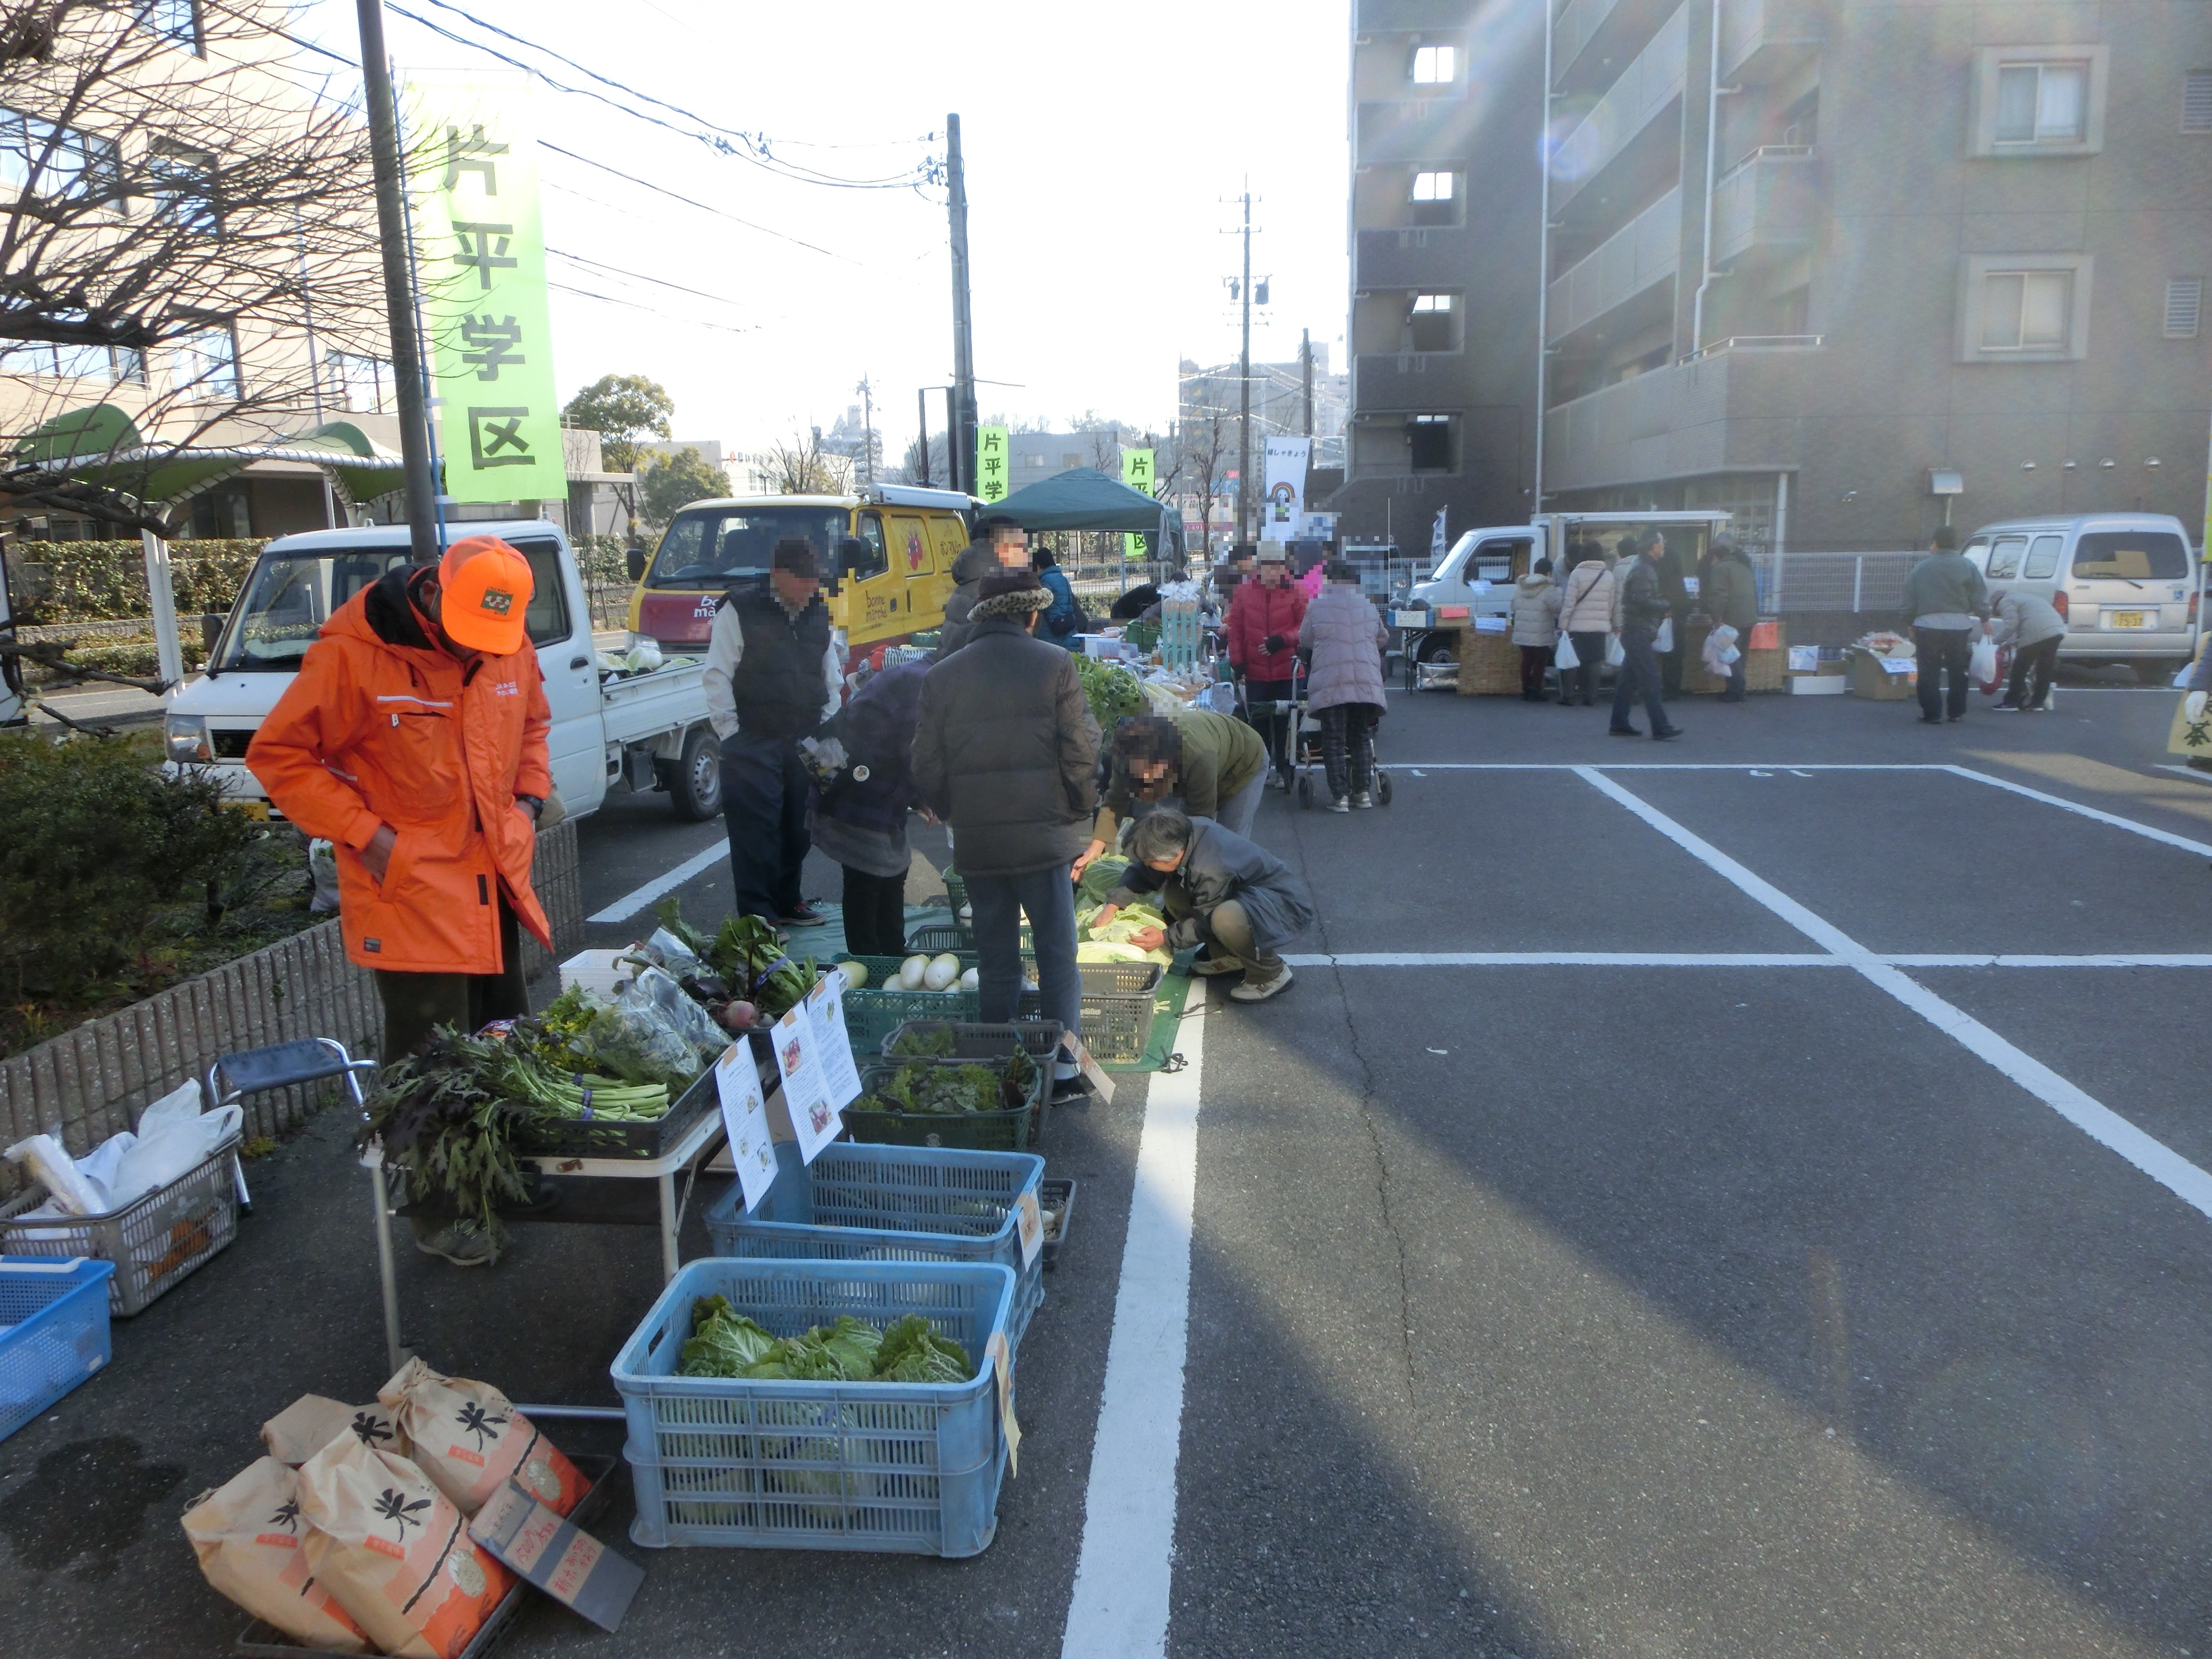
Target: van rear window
[2131,556]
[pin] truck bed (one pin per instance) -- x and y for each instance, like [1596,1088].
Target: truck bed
[636,707]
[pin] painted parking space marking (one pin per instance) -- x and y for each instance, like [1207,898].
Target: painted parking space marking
[631,902]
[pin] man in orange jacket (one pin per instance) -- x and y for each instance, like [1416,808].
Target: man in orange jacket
[414,741]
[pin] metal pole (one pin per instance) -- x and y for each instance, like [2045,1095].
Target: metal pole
[168,651]
[1305,361]
[868,429]
[921,411]
[1781,534]
[1713,135]
[422,485]
[1244,387]
[962,445]
[1543,262]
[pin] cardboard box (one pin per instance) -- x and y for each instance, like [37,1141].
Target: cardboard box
[1884,679]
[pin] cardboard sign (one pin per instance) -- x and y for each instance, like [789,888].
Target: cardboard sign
[1092,1072]
[805,1097]
[572,1567]
[1002,1368]
[832,1044]
[1804,658]
[745,1116]
[1030,1225]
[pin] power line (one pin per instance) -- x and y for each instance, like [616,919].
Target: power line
[639,277]
[644,184]
[608,299]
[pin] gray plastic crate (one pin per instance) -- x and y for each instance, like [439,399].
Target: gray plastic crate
[153,1242]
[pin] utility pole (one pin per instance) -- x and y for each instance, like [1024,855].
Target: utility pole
[419,472]
[1305,362]
[960,446]
[867,428]
[921,409]
[1243,380]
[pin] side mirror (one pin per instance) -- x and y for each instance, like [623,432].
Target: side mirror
[634,561]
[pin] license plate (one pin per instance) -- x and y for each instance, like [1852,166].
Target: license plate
[2130,618]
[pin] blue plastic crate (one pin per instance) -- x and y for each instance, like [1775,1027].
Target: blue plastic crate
[53,1332]
[910,1467]
[872,1203]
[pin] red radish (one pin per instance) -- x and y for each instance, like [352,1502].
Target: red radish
[740,1015]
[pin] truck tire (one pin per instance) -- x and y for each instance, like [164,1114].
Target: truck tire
[694,784]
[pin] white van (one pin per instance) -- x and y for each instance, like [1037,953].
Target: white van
[2125,583]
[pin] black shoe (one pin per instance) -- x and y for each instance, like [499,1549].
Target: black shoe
[1622,731]
[1931,720]
[1670,734]
[802,915]
[1955,719]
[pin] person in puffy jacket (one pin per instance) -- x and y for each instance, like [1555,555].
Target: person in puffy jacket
[860,820]
[1730,595]
[1644,606]
[1586,599]
[1344,636]
[2034,629]
[998,544]
[1219,890]
[1536,599]
[1063,618]
[414,741]
[1210,765]
[1264,619]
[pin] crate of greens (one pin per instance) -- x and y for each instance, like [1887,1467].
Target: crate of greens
[968,1039]
[992,1105]
[609,1093]
[818,1405]
[857,1203]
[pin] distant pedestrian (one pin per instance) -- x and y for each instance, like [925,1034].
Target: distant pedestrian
[2027,624]
[774,675]
[1677,593]
[1945,600]
[1263,636]
[1219,890]
[1345,637]
[1536,599]
[1644,606]
[1730,595]
[861,820]
[1586,607]
[1005,751]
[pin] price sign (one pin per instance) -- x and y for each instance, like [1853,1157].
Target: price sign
[745,1116]
[832,1044]
[805,1098]
[1093,1073]
[1002,1368]
[1031,1223]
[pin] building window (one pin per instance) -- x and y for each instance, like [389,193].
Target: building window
[177,21]
[356,385]
[54,163]
[1429,446]
[2016,309]
[1436,198]
[1434,322]
[206,365]
[116,365]
[2038,100]
[2185,305]
[2196,101]
[180,185]
[1435,66]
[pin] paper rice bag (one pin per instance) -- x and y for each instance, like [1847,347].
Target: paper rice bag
[248,1536]
[312,1422]
[468,1437]
[395,1552]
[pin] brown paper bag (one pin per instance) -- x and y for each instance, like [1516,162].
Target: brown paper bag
[468,1437]
[312,1422]
[248,1536]
[395,1552]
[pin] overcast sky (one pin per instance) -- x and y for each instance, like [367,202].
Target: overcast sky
[1103,147]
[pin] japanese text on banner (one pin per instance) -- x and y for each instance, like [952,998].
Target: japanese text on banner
[472,148]
[1137,473]
[993,454]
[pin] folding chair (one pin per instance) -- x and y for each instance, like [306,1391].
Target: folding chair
[281,1066]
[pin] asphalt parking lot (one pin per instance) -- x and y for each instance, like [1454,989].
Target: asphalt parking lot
[1743,1196]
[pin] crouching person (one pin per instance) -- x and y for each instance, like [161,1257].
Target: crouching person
[1219,890]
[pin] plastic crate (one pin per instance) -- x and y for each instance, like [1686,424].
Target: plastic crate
[153,1242]
[595,970]
[908,1468]
[53,1333]
[1007,1131]
[862,1203]
[1117,1008]
[973,1040]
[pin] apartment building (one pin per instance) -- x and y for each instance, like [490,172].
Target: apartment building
[1852,270]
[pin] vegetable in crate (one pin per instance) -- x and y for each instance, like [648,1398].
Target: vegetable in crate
[940,1090]
[1112,692]
[749,959]
[725,1343]
[925,1042]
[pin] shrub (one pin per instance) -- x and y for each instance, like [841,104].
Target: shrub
[103,581]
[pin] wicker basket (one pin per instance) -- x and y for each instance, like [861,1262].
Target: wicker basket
[1489,665]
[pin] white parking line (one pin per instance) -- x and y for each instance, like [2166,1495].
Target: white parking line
[1739,959]
[630,904]
[2098,1122]
[2074,806]
[1120,1607]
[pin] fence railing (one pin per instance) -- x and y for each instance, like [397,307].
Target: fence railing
[1837,581]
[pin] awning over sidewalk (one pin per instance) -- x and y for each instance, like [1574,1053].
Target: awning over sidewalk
[101,445]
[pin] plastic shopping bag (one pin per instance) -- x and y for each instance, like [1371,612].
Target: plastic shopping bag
[1614,656]
[1663,641]
[1982,665]
[1563,655]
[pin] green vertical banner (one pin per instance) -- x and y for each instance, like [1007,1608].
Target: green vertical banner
[993,449]
[1137,473]
[480,269]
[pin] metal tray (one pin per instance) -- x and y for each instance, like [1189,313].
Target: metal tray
[261,1637]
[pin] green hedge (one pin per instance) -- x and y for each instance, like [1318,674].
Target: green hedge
[106,581]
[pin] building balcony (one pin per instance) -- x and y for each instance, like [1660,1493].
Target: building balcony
[1642,252]
[1578,25]
[1409,379]
[1762,39]
[1438,257]
[1415,128]
[1644,91]
[1728,411]
[1766,204]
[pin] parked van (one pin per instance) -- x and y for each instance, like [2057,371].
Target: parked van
[887,555]
[2125,583]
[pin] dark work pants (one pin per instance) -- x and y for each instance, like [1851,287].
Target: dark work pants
[1670,662]
[1739,674]
[2036,662]
[1580,683]
[766,791]
[997,903]
[1534,659]
[416,1005]
[1938,652]
[1347,748]
[1639,678]
[875,913]
[1268,706]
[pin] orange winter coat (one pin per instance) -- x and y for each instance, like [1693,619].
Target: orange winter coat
[382,726]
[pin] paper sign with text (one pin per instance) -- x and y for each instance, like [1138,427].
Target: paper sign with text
[1002,1368]
[1030,1221]
[1093,1073]
[572,1567]
[832,1044]
[745,1116]
[805,1099]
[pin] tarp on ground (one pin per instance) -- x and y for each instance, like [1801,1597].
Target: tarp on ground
[102,446]
[1080,499]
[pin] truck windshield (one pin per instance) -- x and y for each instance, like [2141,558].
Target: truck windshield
[291,595]
[713,547]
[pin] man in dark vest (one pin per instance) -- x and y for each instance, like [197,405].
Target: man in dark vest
[774,675]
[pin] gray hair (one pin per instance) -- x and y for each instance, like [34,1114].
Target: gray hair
[1159,835]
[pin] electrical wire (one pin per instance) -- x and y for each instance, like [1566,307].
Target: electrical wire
[639,277]
[662,190]
[608,299]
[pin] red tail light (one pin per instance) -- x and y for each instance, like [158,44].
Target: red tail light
[2059,603]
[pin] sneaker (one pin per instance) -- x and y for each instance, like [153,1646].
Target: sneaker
[803,915]
[1340,804]
[1069,1091]
[2007,708]
[1364,799]
[1254,990]
[464,1247]
[1206,966]
[1955,719]
[1669,735]
[1623,732]
[1278,780]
